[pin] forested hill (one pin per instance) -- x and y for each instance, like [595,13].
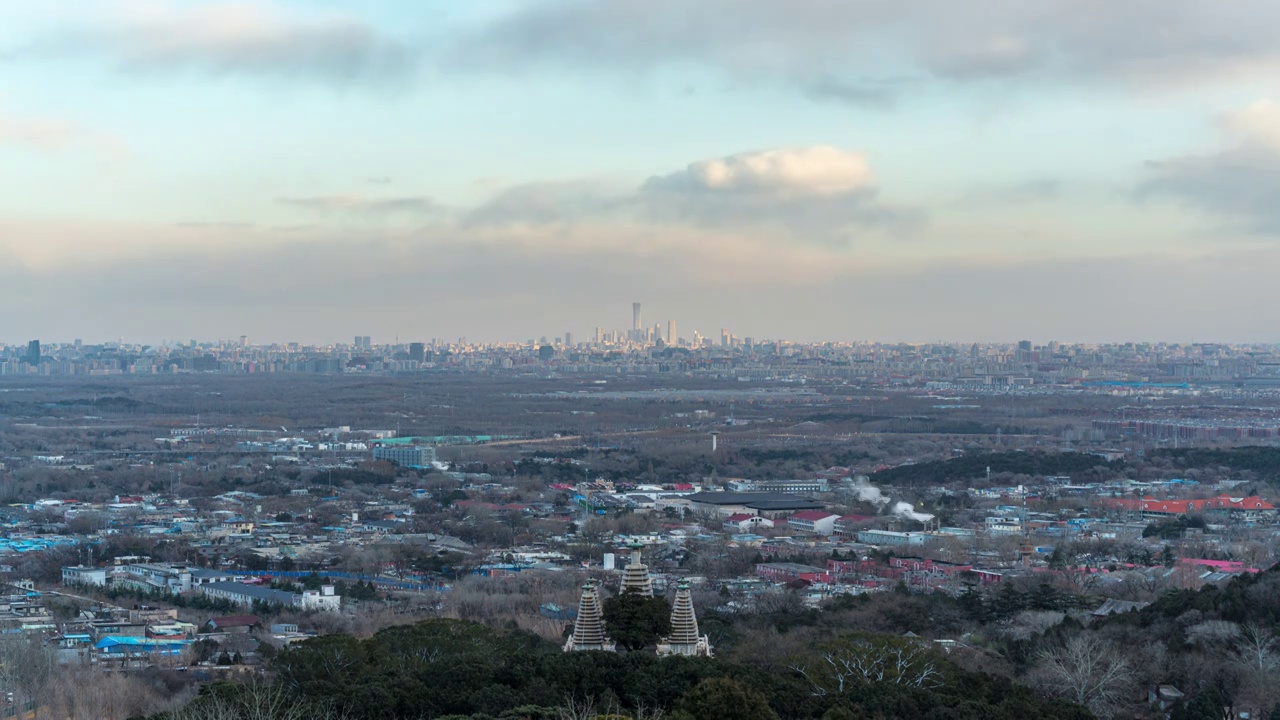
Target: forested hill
[465,671]
[974,466]
[1265,461]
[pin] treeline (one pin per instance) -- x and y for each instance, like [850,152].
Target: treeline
[459,670]
[1265,461]
[969,467]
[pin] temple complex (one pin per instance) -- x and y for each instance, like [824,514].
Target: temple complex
[684,639]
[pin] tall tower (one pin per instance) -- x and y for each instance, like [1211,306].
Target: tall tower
[671,332]
[635,576]
[635,316]
[684,639]
[588,628]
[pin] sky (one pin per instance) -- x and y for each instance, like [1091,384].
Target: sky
[311,170]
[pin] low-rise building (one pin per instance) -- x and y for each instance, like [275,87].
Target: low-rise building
[324,599]
[414,456]
[788,572]
[817,522]
[891,538]
[83,575]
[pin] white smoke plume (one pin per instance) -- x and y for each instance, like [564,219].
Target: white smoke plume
[867,492]
[905,509]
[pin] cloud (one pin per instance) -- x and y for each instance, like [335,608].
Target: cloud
[1027,191]
[863,92]
[210,225]
[830,48]
[817,170]
[1238,183]
[816,194]
[546,203]
[820,194]
[39,133]
[230,38]
[360,204]
[52,135]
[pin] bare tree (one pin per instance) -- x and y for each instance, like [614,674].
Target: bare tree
[1258,648]
[855,660]
[1087,670]
[27,668]
[256,700]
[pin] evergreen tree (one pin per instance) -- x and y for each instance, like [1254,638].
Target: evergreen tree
[635,621]
[723,699]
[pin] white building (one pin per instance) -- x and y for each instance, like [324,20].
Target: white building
[818,522]
[324,599]
[417,456]
[80,575]
[889,537]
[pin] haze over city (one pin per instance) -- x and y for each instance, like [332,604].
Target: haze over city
[811,170]
[639,359]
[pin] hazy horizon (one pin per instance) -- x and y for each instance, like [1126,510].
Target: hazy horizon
[310,170]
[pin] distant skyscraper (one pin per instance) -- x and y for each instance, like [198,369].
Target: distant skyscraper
[244,341]
[1024,351]
[724,337]
[417,352]
[568,339]
[635,316]
[671,332]
[33,352]
[366,342]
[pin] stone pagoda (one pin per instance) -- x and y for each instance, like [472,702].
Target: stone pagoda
[684,639]
[635,576]
[588,628]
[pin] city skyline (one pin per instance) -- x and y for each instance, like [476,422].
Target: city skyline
[810,170]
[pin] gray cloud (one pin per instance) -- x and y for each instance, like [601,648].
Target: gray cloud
[214,225]
[231,38]
[1239,183]
[865,92]
[415,205]
[1027,191]
[829,48]
[817,194]
[545,203]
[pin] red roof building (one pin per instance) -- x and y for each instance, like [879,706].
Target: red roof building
[1152,508]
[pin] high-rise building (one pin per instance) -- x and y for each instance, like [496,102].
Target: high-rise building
[417,352]
[635,316]
[1024,352]
[568,339]
[724,337]
[671,332]
[33,352]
